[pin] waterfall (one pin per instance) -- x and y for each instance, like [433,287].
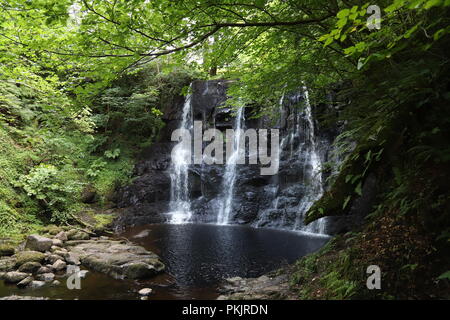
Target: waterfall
[229,178]
[180,205]
[299,151]
[312,168]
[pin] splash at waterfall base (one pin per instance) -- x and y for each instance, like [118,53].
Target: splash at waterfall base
[213,153]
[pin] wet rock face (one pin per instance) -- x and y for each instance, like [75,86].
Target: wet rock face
[272,201]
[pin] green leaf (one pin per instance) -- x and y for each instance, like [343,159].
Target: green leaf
[358,189]
[445,275]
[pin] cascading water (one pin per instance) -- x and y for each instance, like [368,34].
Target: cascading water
[229,177]
[233,193]
[313,173]
[180,202]
[299,151]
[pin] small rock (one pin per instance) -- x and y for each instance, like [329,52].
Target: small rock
[61,236]
[15,276]
[60,253]
[38,243]
[145,292]
[25,282]
[44,270]
[49,266]
[57,243]
[73,258]
[47,277]
[59,265]
[55,283]
[53,258]
[36,284]
[2,275]
[30,267]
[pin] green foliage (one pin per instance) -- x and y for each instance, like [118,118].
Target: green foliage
[53,189]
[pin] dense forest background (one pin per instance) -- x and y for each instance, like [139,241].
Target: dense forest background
[82,85]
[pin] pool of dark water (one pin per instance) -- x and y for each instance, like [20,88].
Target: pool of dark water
[197,257]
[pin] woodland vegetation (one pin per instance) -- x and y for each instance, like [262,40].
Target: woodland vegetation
[82,85]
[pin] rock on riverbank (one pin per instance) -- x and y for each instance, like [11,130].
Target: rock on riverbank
[41,260]
[266,287]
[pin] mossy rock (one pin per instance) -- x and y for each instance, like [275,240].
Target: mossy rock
[51,230]
[7,249]
[7,264]
[77,235]
[23,257]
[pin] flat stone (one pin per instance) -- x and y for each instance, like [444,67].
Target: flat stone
[15,276]
[117,259]
[145,292]
[38,243]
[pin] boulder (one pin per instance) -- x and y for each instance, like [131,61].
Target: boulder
[15,276]
[30,267]
[117,259]
[59,265]
[23,257]
[38,243]
[47,277]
